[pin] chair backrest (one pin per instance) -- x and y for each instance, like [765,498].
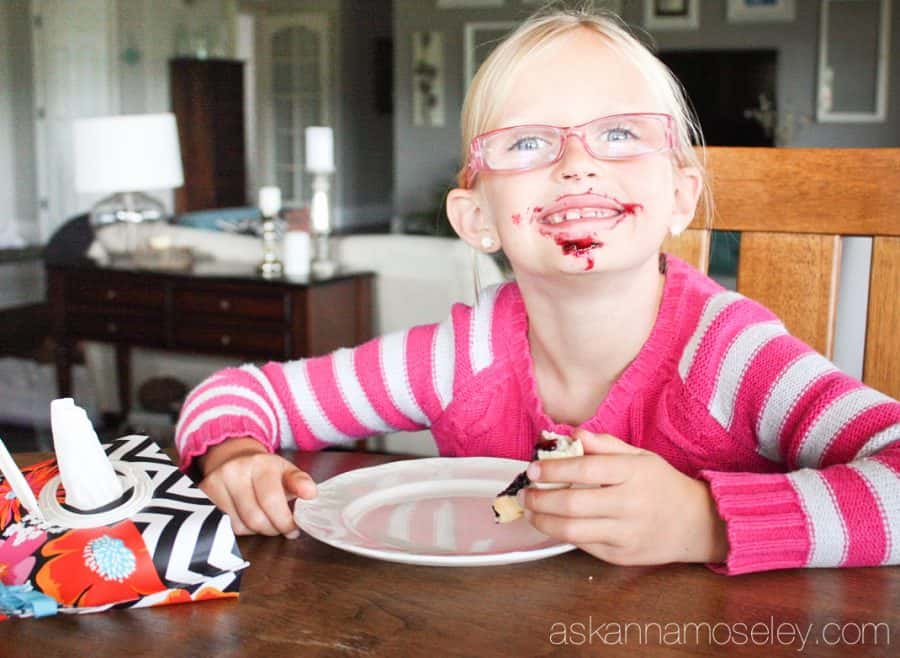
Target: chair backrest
[419,276]
[792,206]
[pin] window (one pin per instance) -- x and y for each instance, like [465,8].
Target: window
[296,95]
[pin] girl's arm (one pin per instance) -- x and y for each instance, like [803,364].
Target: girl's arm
[310,403]
[838,503]
[401,381]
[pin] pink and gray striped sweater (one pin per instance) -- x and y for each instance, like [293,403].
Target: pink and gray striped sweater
[803,461]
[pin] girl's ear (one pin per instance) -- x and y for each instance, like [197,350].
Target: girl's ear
[470,221]
[688,185]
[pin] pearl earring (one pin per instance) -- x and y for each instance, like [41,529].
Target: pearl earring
[487,242]
[676,230]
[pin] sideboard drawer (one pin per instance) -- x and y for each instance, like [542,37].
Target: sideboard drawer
[144,330]
[115,290]
[235,338]
[227,302]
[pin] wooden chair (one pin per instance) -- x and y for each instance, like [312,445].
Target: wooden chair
[792,206]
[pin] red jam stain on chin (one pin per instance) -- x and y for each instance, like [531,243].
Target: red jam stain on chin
[516,219]
[579,247]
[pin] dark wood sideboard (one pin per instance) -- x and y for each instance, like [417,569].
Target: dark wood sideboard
[223,309]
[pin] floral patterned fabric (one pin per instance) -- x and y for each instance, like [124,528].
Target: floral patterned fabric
[178,549]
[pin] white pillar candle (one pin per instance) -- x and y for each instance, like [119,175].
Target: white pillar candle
[269,200]
[296,253]
[319,149]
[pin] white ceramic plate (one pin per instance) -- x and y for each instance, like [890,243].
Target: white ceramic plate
[433,511]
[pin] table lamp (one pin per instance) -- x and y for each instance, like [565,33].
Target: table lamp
[126,155]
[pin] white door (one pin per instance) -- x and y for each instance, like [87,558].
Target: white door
[296,85]
[74,76]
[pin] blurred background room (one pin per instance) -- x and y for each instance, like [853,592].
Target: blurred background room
[246,78]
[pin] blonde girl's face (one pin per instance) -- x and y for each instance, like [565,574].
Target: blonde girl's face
[615,214]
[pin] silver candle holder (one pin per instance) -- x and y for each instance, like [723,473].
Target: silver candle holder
[271,266]
[323,264]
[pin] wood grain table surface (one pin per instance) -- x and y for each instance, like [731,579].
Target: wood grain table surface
[304,598]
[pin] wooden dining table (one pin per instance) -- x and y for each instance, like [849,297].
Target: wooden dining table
[305,598]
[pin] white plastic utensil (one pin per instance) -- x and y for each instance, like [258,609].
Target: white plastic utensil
[17,482]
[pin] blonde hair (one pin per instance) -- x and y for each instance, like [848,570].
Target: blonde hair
[490,86]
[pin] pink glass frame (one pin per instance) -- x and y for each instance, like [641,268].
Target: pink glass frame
[476,155]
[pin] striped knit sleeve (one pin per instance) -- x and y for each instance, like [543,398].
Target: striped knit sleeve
[836,441]
[402,381]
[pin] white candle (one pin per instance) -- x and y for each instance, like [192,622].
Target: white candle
[269,200]
[319,149]
[297,253]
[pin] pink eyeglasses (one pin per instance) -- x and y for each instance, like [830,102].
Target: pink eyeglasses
[614,137]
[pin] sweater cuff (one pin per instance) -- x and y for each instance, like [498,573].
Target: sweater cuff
[213,433]
[766,525]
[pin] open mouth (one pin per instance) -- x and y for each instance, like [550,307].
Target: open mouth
[576,214]
[602,211]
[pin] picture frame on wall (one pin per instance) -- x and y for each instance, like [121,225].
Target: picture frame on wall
[614,6]
[479,40]
[468,4]
[428,78]
[671,14]
[761,11]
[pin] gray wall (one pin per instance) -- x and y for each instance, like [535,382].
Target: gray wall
[427,157]
[367,137]
[18,185]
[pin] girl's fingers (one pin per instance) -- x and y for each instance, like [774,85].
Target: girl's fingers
[577,531]
[591,469]
[298,484]
[250,511]
[254,491]
[604,443]
[272,501]
[576,503]
[218,494]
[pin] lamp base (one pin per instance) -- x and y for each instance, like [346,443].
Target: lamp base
[134,207]
[139,211]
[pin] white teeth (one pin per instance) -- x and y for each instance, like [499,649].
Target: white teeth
[581,213]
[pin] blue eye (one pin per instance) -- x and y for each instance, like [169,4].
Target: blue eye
[528,144]
[619,135]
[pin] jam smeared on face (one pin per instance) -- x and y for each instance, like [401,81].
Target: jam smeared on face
[516,219]
[630,208]
[579,247]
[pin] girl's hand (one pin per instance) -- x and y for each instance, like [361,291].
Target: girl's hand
[627,506]
[253,487]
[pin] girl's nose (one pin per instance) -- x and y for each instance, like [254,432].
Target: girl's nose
[576,163]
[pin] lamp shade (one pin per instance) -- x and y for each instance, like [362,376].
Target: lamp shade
[132,152]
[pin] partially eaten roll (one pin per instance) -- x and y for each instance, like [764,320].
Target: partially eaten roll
[551,446]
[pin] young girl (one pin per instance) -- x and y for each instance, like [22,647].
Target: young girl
[711,434]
